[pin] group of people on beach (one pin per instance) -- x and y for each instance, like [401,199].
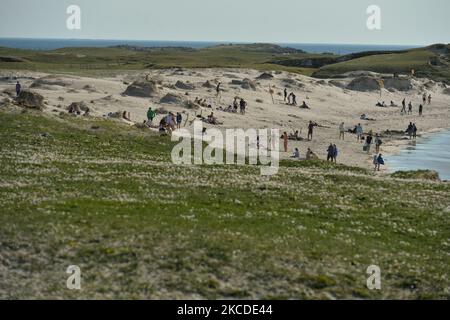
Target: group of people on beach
[291,99]
[168,123]
[411,131]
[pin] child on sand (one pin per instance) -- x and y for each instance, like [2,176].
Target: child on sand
[310,155]
[296,154]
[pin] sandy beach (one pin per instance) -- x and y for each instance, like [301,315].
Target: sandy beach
[330,104]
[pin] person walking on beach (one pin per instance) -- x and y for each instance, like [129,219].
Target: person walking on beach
[285,94]
[414,131]
[403,107]
[409,130]
[311,126]
[420,110]
[18,88]
[285,138]
[378,143]
[410,108]
[342,131]
[424,98]
[359,133]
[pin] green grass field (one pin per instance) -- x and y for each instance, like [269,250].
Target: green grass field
[104,61]
[106,197]
[400,63]
[110,61]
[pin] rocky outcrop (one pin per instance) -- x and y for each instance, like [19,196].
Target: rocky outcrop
[364,84]
[142,89]
[184,86]
[265,76]
[171,98]
[30,100]
[398,84]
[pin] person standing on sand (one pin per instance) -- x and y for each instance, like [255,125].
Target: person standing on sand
[285,94]
[410,108]
[289,97]
[368,144]
[179,120]
[18,88]
[424,98]
[330,153]
[285,141]
[151,115]
[311,126]
[380,162]
[409,130]
[243,105]
[342,131]
[378,143]
[414,131]
[335,153]
[375,163]
[218,89]
[359,133]
[294,99]
[403,107]
[429,99]
[420,110]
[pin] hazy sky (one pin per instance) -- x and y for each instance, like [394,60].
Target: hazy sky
[311,21]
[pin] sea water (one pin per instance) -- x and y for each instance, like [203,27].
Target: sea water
[432,153]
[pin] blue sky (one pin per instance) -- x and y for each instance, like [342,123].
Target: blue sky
[282,21]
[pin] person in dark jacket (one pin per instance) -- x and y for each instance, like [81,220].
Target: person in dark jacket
[18,88]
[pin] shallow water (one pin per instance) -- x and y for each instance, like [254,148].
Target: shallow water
[431,153]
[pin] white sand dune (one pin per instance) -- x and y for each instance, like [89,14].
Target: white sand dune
[330,104]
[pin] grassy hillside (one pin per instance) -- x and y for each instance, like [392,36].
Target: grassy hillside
[112,60]
[106,197]
[432,62]
[427,62]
